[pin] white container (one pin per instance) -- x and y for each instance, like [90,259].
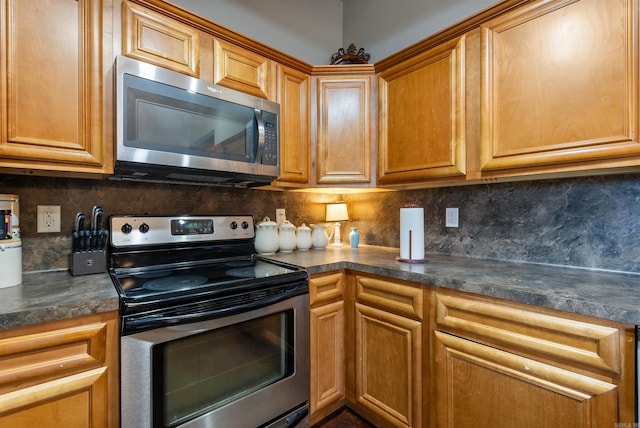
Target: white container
[287,236]
[11,262]
[411,233]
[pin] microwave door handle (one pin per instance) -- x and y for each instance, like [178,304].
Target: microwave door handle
[260,148]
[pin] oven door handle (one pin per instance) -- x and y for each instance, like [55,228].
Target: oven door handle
[148,322]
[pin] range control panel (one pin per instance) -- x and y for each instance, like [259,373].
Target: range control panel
[129,231]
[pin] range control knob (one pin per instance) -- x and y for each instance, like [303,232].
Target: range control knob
[245,225]
[233,225]
[126,228]
[144,228]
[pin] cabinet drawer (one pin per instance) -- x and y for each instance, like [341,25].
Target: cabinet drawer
[552,338]
[391,296]
[38,357]
[326,288]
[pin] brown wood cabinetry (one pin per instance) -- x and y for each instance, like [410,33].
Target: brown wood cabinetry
[416,356]
[559,83]
[61,374]
[157,39]
[344,141]
[294,98]
[527,89]
[422,117]
[244,70]
[498,364]
[387,356]
[54,112]
[327,317]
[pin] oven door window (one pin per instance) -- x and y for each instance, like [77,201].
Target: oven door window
[164,118]
[199,373]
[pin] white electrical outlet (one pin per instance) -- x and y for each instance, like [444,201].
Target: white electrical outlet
[48,218]
[451,219]
[281,215]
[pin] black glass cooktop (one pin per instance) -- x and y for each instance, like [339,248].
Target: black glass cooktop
[179,279]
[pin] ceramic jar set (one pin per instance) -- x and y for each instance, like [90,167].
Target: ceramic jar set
[285,237]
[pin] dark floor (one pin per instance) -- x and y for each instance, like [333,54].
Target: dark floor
[345,418]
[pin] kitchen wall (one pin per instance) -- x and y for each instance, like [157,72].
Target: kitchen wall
[306,29]
[584,222]
[401,26]
[313,30]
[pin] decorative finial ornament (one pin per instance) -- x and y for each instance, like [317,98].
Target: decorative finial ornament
[351,56]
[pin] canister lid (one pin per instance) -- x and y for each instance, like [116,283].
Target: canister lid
[10,243]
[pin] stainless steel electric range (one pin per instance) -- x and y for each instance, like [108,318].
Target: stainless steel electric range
[211,333]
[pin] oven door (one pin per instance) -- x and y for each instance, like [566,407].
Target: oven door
[245,370]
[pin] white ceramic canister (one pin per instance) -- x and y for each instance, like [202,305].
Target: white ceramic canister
[267,241]
[287,236]
[12,202]
[11,262]
[303,237]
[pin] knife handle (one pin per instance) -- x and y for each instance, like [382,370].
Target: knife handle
[75,238]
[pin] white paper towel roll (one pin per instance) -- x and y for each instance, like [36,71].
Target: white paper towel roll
[412,233]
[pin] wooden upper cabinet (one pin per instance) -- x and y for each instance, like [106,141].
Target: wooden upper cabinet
[422,117]
[344,137]
[293,97]
[160,40]
[244,70]
[559,85]
[54,86]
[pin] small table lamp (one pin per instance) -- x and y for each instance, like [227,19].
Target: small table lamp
[337,212]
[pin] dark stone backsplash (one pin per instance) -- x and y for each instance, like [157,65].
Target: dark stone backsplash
[589,222]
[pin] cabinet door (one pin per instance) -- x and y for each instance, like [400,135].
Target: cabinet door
[480,386]
[59,374]
[293,96]
[520,359]
[388,362]
[244,70]
[159,40]
[52,78]
[327,351]
[344,130]
[388,350]
[560,88]
[327,356]
[422,117]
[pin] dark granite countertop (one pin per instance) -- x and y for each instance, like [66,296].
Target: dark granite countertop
[49,296]
[608,295]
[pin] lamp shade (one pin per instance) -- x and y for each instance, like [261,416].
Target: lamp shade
[337,212]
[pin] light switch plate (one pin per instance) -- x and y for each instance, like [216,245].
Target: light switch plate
[451,217]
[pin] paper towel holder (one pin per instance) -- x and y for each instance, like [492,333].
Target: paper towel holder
[410,260]
[410,247]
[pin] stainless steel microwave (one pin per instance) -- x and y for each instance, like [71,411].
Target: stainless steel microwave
[171,127]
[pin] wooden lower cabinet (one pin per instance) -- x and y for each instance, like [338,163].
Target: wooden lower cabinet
[500,364]
[61,374]
[327,364]
[388,351]
[402,354]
